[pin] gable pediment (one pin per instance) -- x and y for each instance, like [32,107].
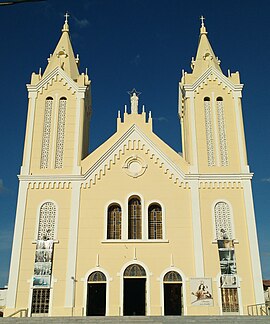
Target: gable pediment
[212,74]
[133,140]
[55,75]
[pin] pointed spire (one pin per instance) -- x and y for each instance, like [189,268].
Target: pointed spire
[63,55]
[205,55]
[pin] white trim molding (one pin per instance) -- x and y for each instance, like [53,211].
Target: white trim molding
[253,243]
[72,244]
[17,246]
[197,230]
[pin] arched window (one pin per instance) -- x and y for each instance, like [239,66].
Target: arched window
[134,270]
[114,222]
[46,133]
[97,276]
[172,276]
[155,221]
[60,133]
[46,226]
[209,132]
[223,221]
[134,218]
[222,132]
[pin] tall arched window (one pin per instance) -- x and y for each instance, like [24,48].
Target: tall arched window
[46,133]
[222,132]
[223,221]
[209,132]
[134,218]
[60,133]
[114,222]
[47,217]
[155,222]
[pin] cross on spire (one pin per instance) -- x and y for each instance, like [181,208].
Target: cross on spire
[202,21]
[66,16]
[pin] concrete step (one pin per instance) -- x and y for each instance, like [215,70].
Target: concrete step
[140,320]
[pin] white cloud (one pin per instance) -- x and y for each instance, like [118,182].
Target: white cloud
[161,119]
[82,23]
[265,180]
[136,59]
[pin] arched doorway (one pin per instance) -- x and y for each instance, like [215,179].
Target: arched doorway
[173,293]
[96,294]
[134,290]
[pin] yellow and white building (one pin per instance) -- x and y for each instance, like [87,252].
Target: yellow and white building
[134,228]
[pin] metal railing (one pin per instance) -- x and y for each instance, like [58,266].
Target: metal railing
[258,310]
[21,312]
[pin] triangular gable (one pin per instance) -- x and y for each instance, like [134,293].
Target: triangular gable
[213,74]
[56,74]
[134,138]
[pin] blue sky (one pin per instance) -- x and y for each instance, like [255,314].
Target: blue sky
[135,43]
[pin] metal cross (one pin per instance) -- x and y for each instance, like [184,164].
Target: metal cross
[202,20]
[66,15]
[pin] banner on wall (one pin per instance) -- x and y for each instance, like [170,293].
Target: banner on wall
[228,281]
[43,263]
[201,292]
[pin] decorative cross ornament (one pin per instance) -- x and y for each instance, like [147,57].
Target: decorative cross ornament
[202,20]
[66,16]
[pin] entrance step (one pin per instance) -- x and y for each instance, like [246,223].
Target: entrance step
[140,320]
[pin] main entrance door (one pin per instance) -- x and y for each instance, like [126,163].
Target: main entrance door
[172,285]
[96,295]
[134,302]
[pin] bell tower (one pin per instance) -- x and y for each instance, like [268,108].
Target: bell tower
[58,114]
[211,114]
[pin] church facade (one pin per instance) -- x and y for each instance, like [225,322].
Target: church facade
[134,228]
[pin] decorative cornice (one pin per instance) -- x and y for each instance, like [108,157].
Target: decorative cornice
[54,76]
[213,74]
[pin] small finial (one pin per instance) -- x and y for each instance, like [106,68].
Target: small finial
[125,109]
[65,27]
[66,16]
[203,29]
[143,109]
[202,21]
[118,114]
[86,71]
[39,72]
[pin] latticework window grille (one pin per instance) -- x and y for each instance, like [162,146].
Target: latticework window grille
[40,301]
[230,302]
[114,222]
[60,133]
[155,222]
[46,226]
[223,221]
[97,276]
[46,134]
[222,133]
[172,276]
[134,270]
[209,132]
[134,219]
